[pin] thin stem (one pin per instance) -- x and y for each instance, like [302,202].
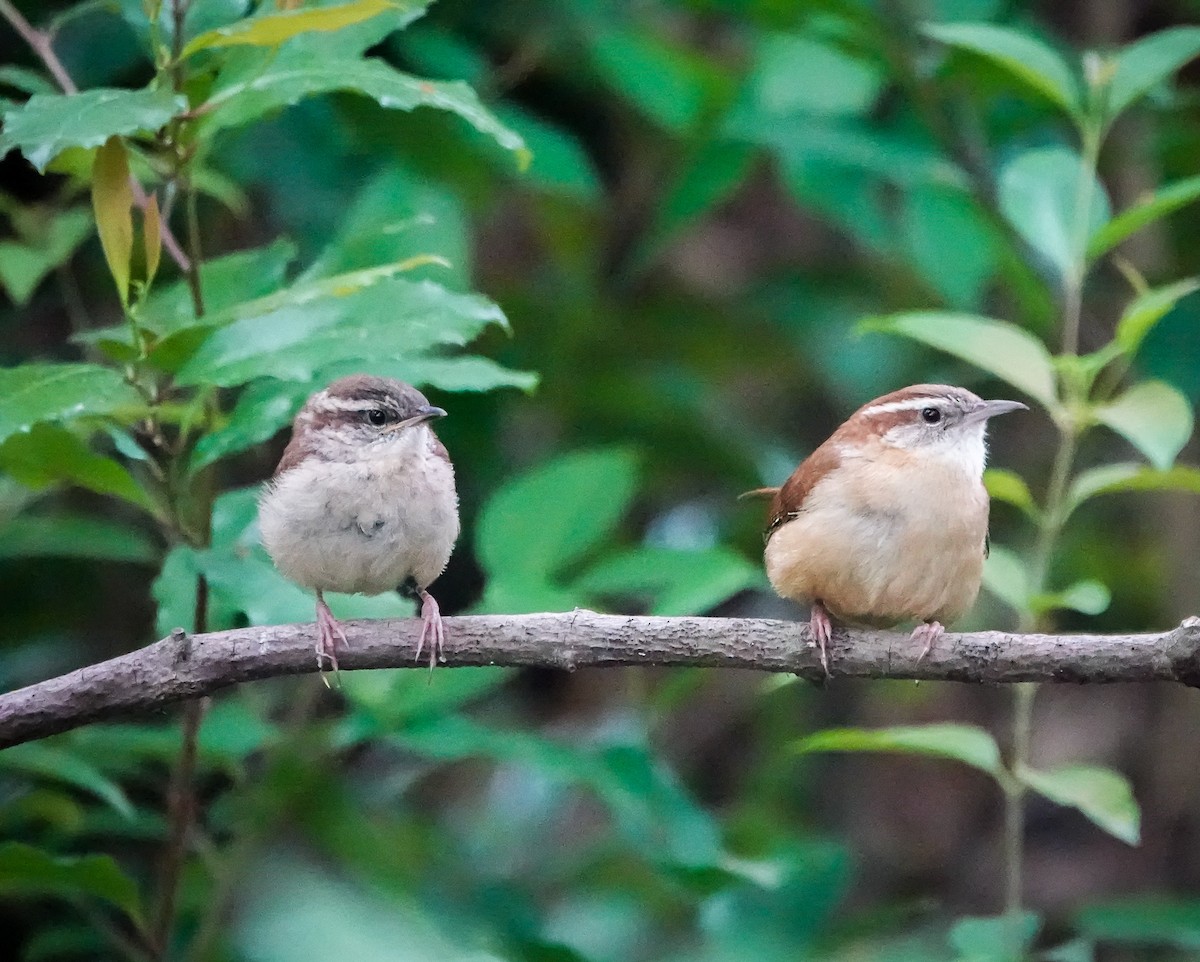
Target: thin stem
[193,230]
[1073,292]
[1014,794]
[39,42]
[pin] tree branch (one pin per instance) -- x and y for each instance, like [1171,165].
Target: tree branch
[182,666]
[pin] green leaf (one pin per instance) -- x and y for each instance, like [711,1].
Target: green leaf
[288,81]
[47,124]
[949,242]
[559,162]
[1143,920]
[35,393]
[1000,938]
[1154,417]
[1089,597]
[998,347]
[1166,201]
[27,871]
[677,582]
[353,317]
[963,743]
[55,764]
[274,28]
[1010,487]
[25,80]
[1128,476]
[1101,794]
[1040,192]
[70,536]
[555,514]
[112,202]
[1006,576]
[1148,62]
[25,263]
[1147,309]
[48,453]
[1023,57]
[705,181]
[797,74]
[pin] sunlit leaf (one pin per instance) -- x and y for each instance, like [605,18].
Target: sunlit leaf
[47,124]
[1129,476]
[29,871]
[1000,938]
[794,73]
[1024,57]
[1154,417]
[1007,577]
[1101,794]
[677,582]
[1040,192]
[1010,487]
[1089,597]
[60,393]
[1146,211]
[1147,309]
[1147,62]
[963,743]
[995,346]
[112,201]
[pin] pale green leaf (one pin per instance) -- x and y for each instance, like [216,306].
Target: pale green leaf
[25,263]
[1089,597]
[61,393]
[26,871]
[274,28]
[1147,309]
[676,582]
[1146,211]
[71,536]
[995,346]
[794,73]
[963,743]
[1126,476]
[1101,794]
[1147,62]
[1042,193]
[1154,417]
[1006,576]
[112,202]
[47,124]
[1024,57]
[1000,938]
[949,242]
[1010,487]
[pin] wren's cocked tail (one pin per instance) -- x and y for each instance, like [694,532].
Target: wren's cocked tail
[887,520]
[363,501]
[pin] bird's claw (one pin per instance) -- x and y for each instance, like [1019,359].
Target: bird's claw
[822,631]
[329,633]
[929,632]
[431,630]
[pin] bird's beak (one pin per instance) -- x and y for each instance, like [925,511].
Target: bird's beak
[426,413]
[989,409]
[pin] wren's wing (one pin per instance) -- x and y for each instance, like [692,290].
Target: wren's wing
[789,500]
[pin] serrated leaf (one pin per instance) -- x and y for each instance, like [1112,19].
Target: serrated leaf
[678,582]
[284,83]
[49,453]
[60,393]
[25,871]
[275,28]
[47,124]
[25,263]
[1010,487]
[1006,576]
[112,201]
[999,938]
[357,317]
[1039,193]
[1143,919]
[1127,476]
[1102,795]
[1147,309]
[556,512]
[1154,417]
[1165,201]
[962,743]
[1024,57]
[71,536]
[55,764]
[995,346]
[1147,62]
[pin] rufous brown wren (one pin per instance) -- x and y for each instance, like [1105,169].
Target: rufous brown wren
[363,501]
[887,520]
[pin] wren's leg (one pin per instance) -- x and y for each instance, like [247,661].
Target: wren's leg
[329,633]
[822,631]
[929,632]
[431,629]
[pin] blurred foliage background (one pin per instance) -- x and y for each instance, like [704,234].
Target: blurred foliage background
[684,209]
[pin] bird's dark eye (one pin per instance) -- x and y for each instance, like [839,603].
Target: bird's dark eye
[931,415]
[377,417]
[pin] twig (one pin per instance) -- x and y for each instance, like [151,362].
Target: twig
[183,667]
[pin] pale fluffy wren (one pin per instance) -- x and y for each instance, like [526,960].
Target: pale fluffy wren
[363,501]
[887,520]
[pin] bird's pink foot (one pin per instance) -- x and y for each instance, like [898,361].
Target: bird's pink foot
[431,629]
[329,633]
[822,631]
[929,632]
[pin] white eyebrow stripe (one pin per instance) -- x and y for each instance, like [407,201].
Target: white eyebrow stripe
[330,404]
[911,404]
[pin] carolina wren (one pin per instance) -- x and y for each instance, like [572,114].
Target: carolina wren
[363,501]
[887,520]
